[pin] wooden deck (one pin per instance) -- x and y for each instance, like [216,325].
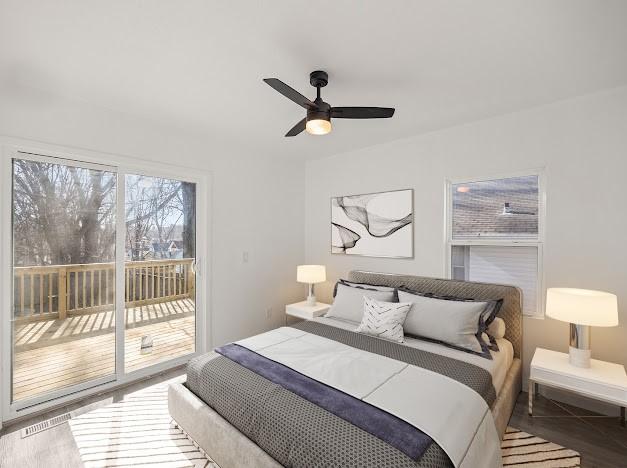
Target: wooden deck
[56,353]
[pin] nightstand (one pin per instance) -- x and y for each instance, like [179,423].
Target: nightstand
[603,381]
[306,312]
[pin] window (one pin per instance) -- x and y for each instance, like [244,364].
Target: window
[494,234]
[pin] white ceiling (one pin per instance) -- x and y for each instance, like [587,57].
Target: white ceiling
[198,64]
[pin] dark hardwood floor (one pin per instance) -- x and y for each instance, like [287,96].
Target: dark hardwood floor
[600,440]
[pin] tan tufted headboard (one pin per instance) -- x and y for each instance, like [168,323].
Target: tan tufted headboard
[511,311]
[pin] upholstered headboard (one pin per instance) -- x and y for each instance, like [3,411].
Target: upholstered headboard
[511,311]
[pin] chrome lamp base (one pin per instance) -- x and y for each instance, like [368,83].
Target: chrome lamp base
[311,299]
[579,350]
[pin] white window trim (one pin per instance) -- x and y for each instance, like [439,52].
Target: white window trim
[11,148]
[449,242]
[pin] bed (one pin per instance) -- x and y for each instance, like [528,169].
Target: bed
[228,446]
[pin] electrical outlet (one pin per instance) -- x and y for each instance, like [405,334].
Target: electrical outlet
[269,313]
[245,256]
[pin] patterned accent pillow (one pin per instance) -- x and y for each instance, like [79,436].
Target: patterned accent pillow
[384,319]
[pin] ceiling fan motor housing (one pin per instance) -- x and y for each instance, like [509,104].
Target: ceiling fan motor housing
[323,112]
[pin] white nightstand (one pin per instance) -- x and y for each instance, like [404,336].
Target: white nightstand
[602,381]
[303,311]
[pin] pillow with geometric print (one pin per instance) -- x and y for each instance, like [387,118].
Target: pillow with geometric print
[384,319]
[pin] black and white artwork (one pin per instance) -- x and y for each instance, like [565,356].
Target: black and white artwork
[373,224]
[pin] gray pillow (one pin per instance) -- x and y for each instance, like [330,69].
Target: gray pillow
[353,284]
[349,302]
[457,323]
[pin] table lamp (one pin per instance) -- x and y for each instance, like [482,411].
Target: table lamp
[311,274]
[583,308]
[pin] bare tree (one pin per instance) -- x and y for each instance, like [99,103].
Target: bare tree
[189,219]
[65,214]
[153,211]
[62,214]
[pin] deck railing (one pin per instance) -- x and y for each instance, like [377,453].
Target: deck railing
[43,292]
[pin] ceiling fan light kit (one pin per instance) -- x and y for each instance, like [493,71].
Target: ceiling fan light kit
[318,126]
[319,113]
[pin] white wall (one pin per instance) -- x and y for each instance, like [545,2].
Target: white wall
[581,143]
[257,201]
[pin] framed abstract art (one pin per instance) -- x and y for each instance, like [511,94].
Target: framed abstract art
[373,224]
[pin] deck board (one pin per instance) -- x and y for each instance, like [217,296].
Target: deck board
[52,354]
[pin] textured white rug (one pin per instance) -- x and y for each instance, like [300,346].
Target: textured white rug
[520,449]
[135,432]
[138,432]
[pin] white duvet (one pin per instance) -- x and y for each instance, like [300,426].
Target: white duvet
[452,414]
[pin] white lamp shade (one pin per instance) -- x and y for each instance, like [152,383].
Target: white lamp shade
[311,274]
[582,306]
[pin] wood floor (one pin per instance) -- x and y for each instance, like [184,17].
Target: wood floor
[53,354]
[56,447]
[600,440]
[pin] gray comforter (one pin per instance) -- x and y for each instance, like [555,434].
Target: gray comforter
[295,431]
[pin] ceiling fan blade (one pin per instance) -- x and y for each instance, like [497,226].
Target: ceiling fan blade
[296,129]
[362,112]
[290,93]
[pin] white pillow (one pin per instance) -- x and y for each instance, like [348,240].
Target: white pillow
[384,319]
[349,302]
[453,322]
[497,328]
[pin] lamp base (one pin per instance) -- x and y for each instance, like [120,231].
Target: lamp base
[311,299]
[579,357]
[579,350]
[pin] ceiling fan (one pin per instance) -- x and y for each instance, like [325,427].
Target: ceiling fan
[319,113]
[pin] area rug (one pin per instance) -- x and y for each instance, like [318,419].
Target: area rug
[138,432]
[520,449]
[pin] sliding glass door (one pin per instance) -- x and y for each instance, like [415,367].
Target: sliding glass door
[160,283]
[103,273]
[63,314]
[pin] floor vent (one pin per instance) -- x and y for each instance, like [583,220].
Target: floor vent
[44,425]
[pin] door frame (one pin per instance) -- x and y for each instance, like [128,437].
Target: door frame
[12,148]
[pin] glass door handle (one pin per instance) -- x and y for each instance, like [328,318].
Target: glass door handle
[195,267]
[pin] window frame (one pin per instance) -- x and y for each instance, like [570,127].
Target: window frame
[539,243]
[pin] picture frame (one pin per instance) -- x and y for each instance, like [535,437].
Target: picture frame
[376,224]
